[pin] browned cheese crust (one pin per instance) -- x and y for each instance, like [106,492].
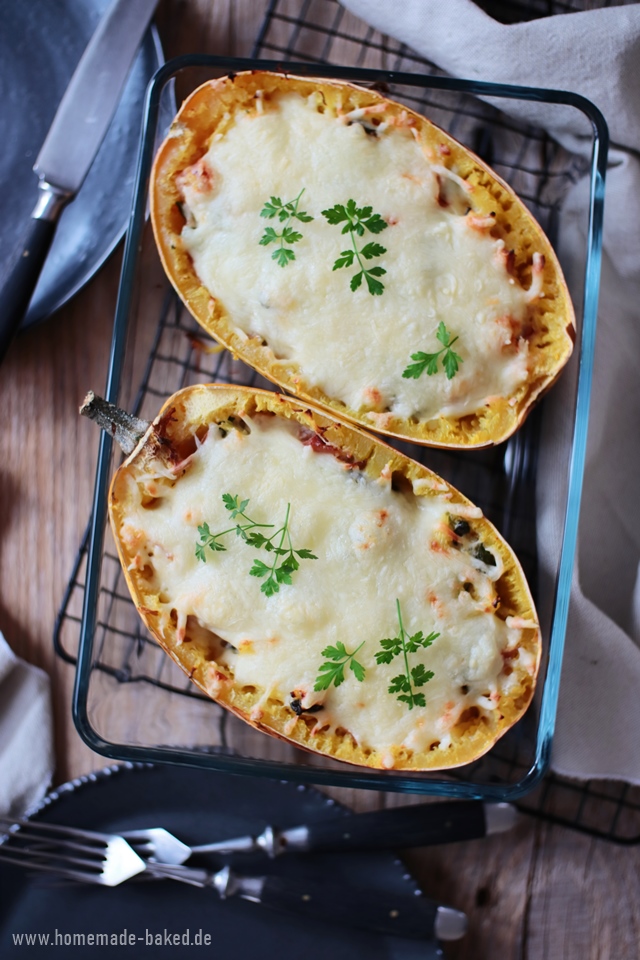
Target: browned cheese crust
[170,440]
[210,110]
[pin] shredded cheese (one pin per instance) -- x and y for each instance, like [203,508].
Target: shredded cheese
[373,545]
[355,346]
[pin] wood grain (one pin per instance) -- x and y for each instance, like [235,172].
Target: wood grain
[540,893]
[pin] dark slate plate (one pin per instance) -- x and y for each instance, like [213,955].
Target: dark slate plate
[41,42]
[198,806]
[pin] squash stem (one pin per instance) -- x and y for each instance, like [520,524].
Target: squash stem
[126,429]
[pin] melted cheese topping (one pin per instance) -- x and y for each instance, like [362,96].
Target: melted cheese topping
[373,545]
[441,265]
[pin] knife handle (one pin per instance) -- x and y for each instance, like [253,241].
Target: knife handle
[21,278]
[386,913]
[413,826]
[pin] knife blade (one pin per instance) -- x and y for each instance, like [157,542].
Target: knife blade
[421,824]
[78,129]
[384,913]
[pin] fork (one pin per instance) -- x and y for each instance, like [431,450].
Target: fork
[156,843]
[412,826]
[105,859]
[419,824]
[111,860]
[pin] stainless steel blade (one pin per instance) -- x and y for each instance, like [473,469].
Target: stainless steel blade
[90,100]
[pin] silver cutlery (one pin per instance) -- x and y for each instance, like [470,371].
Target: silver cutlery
[402,916]
[78,129]
[107,859]
[411,826]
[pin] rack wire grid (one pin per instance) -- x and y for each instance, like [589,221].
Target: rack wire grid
[541,172]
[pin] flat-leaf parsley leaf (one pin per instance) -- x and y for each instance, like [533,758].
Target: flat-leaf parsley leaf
[417,676]
[237,508]
[429,361]
[332,670]
[281,570]
[250,531]
[356,220]
[285,212]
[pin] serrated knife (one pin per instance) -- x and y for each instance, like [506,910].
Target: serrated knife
[78,129]
[386,913]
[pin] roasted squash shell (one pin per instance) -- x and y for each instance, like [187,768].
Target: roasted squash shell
[166,448]
[549,332]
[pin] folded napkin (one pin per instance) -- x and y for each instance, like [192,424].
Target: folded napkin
[596,54]
[26,733]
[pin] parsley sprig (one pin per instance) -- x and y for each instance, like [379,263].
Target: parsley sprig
[250,532]
[417,676]
[285,212]
[280,570]
[429,361]
[237,509]
[332,670]
[356,220]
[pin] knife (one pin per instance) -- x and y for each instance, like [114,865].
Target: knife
[418,825]
[383,913]
[78,129]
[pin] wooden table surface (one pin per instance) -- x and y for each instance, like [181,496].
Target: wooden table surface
[541,892]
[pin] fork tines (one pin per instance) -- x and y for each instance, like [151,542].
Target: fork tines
[108,859]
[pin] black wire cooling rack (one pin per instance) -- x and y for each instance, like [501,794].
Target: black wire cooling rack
[541,172]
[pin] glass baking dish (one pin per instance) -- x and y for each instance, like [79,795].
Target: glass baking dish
[130,701]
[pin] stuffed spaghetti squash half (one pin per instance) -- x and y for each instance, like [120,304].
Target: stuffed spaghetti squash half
[360,258]
[322,586]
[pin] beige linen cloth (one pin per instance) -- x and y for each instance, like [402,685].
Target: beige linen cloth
[26,733]
[596,54]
